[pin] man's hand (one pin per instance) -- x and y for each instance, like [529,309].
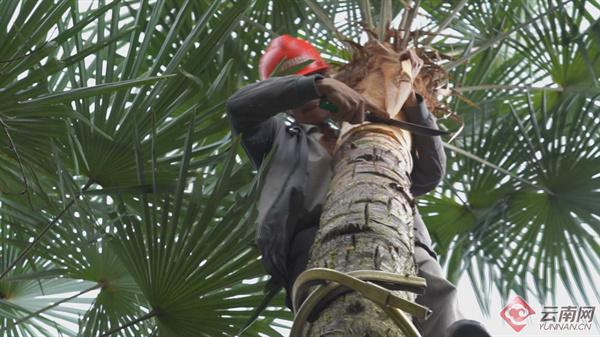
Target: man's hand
[412,99]
[350,103]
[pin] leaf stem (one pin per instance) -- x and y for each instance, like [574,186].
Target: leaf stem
[506,87]
[13,147]
[137,320]
[494,166]
[33,314]
[42,233]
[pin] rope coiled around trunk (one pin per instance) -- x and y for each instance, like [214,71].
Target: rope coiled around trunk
[374,285]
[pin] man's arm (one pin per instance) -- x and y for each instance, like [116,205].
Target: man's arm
[250,110]
[429,159]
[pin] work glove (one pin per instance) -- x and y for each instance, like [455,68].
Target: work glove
[350,104]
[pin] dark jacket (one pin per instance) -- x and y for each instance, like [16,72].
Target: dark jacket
[292,195]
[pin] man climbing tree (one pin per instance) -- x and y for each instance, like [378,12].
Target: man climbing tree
[297,182]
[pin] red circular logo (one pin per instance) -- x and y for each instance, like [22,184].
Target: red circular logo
[516,312]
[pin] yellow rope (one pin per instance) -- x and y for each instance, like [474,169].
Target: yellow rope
[360,281]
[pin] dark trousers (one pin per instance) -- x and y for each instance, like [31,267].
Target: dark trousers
[439,297]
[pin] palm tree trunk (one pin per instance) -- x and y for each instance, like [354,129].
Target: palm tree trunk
[367,224]
[367,218]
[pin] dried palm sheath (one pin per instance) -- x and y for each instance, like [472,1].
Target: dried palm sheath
[367,219]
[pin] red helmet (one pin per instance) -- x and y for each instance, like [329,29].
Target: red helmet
[295,51]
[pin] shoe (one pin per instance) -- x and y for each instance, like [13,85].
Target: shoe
[466,328]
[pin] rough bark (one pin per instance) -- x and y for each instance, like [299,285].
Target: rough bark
[367,219]
[366,225]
